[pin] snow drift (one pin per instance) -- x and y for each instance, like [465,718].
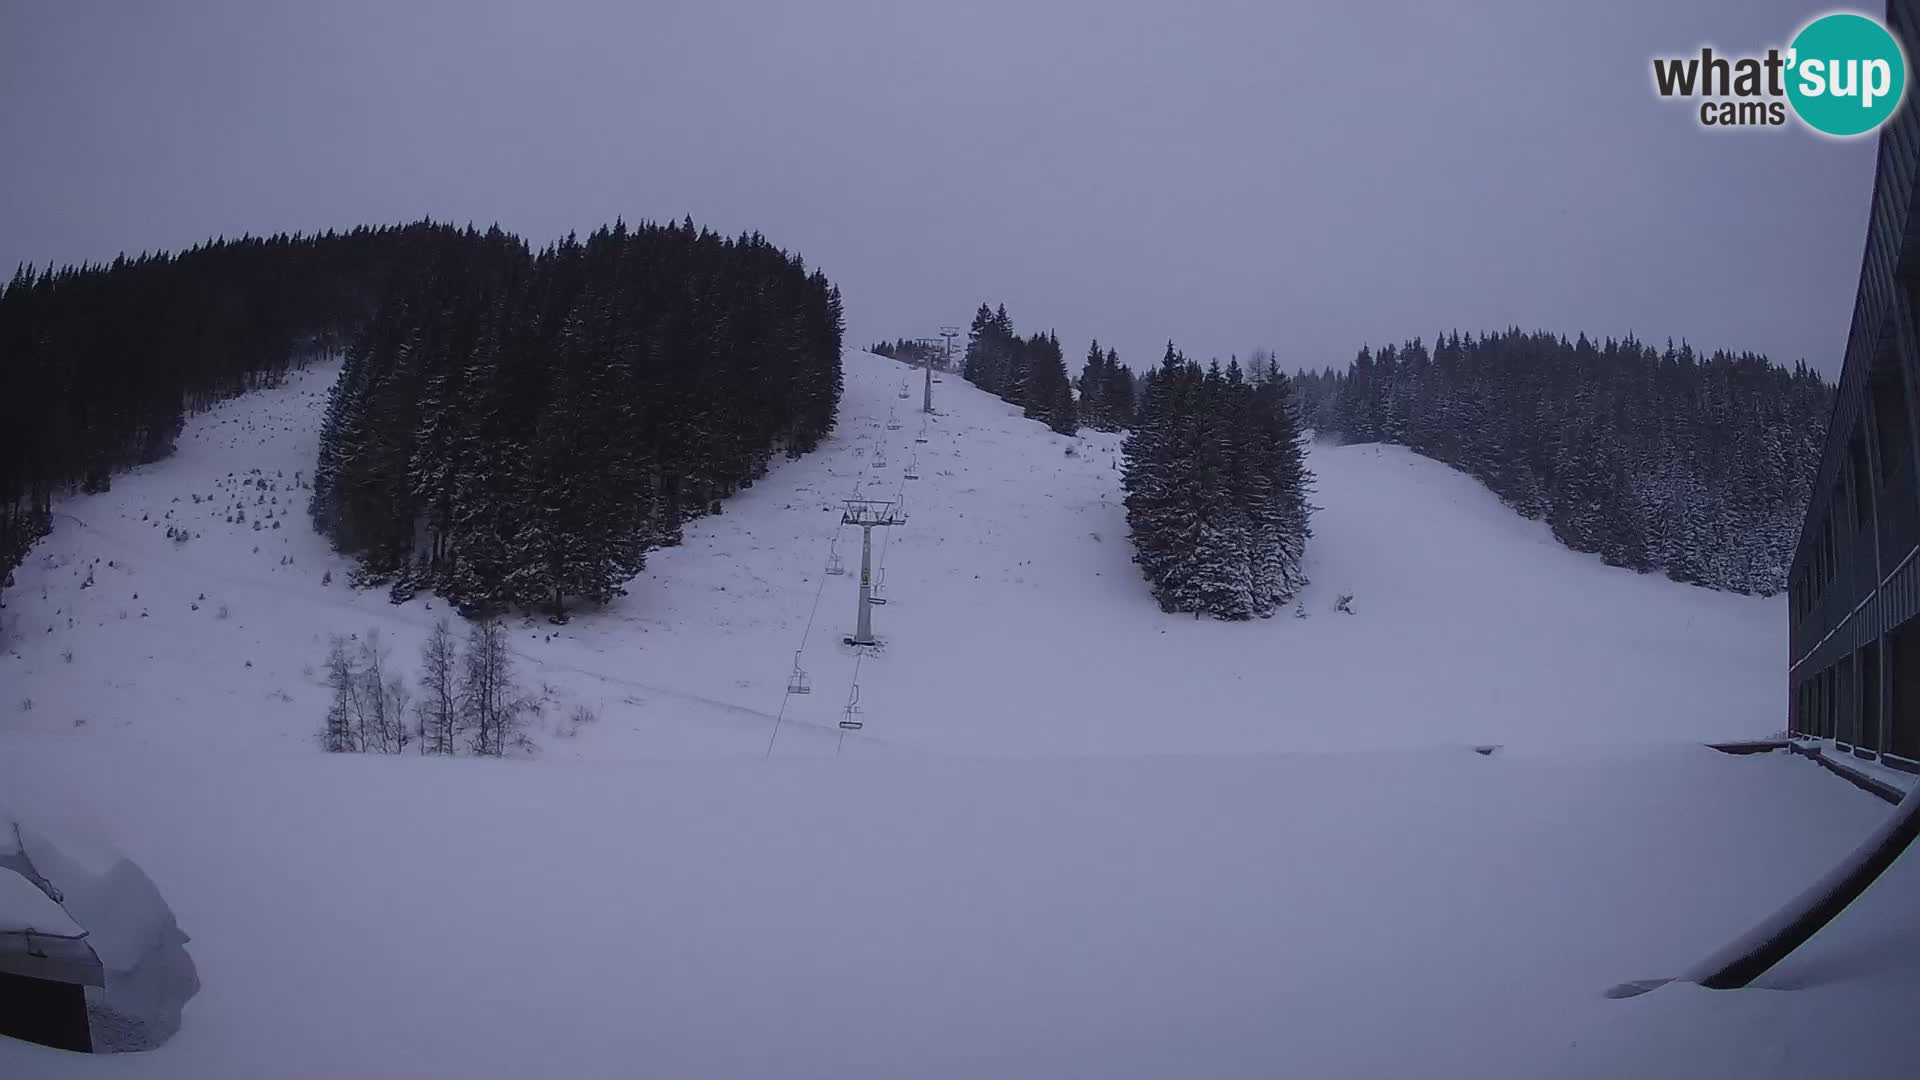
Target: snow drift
[103,895]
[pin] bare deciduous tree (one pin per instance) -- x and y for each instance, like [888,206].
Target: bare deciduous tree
[439,707]
[344,716]
[491,706]
[368,714]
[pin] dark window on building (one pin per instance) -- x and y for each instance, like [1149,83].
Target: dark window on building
[1903,736]
[1839,501]
[1890,422]
[1862,483]
[1869,723]
[1844,714]
[1830,710]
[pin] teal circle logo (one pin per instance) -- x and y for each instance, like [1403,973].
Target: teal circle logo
[1846,74]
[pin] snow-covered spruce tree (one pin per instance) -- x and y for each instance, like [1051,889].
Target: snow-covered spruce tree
[1283,518]
[989,360]
[1117,395]
[1216,490]
[1047,392]
[1227,487]
[584,533]
[1159,475]
[1093,385]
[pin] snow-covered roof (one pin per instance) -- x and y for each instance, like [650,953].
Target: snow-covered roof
[23,907]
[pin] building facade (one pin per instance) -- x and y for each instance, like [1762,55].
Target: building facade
[1854,674]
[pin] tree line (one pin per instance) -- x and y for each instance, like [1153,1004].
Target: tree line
[1028,372]
[912,352]
[516,430]
[1216,488]
[101,363]
[1656,459]
[511,427]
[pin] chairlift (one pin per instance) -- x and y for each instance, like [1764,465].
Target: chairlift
[850,716]
[878,593]
[893,425]
[834,563]
[798,683]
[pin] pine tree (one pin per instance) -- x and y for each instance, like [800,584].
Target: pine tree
[1049,394]
[1092,384]
[1118,394]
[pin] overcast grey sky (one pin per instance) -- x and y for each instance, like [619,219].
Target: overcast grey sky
[1229,174]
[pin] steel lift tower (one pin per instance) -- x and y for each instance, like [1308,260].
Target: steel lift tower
[869,514]
[927,345]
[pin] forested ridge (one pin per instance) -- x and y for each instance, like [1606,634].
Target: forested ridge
[514,431]
[1699,466]
[100,364]
[593,395]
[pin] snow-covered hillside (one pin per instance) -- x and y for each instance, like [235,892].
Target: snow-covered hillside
[1165,886]
[1016,623]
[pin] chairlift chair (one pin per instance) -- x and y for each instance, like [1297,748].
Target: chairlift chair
[893,425]
[850,716]
[877,595]
[798,683]
[834,563]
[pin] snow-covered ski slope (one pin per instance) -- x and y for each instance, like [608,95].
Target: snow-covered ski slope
[1391,904]
[1015,624]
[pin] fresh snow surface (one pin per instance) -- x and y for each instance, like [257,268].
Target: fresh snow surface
[1016,622]
[1423,912]
[1077,836]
